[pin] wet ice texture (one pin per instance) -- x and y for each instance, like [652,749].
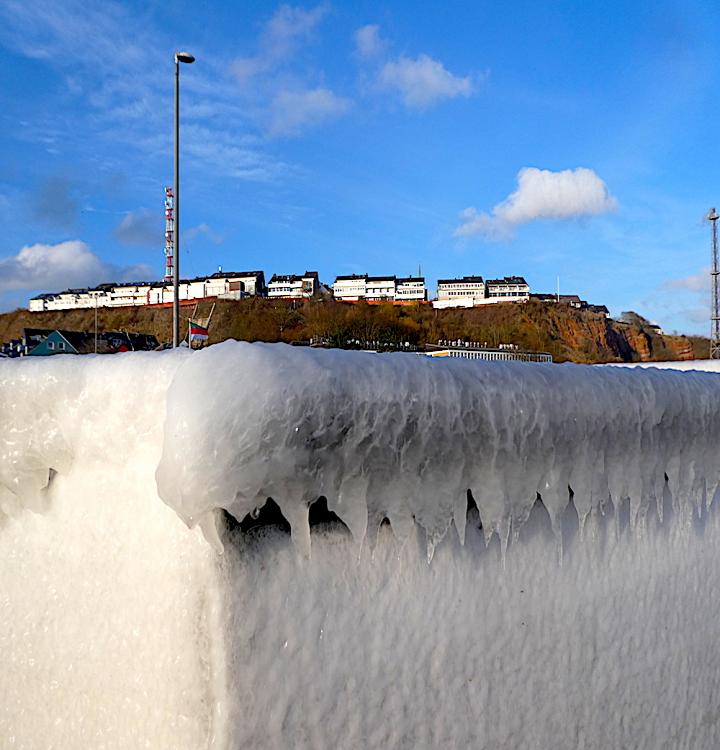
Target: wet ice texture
[119,627]
[405,438]
[107,601]
[615,649]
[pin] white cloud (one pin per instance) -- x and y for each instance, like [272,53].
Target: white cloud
[698,282]
[422,81]
[478,222]
[56,267]
[697,314]
[191,234]
[541,194]
[279,39]
[143,228]
[368,42]
[224,153]
[277,92]
[293,111]
[127,104]
[290,23]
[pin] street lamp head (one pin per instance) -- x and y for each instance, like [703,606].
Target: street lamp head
[184,57]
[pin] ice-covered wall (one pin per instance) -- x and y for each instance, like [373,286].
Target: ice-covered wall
[122,627]
[404,437]
[107,600]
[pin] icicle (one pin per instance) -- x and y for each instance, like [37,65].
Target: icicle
[460,509]
[503,532]
[354,514]
[208,523]
[297,515]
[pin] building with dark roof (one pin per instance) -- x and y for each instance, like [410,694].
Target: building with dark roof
[508,289]
[391,288]
[291,286]
[46,342]
[466,291]
[223,284]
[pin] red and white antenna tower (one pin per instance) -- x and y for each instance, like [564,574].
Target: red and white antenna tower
[169,234]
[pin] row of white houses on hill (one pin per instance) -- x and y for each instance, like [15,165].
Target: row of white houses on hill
[235,285]
[467,291]
[221,284]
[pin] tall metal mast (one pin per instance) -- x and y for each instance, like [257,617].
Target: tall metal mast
[180,57]
[713,217]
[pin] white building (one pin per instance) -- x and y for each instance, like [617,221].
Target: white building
[350,288]
[410,289]
[467,291]
[294,287]
[252,283]
[508,289]
[472,291]
[379,288]
[233,285]
[491,355]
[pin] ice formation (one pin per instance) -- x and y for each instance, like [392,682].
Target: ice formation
[122,627]
[402,437]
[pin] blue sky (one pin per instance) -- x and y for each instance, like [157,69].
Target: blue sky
[544,139]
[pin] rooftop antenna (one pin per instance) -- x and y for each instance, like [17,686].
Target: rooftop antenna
[713,217]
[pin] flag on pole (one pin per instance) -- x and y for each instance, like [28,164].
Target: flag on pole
[198,332]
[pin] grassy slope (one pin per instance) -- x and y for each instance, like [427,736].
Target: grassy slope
[566,333]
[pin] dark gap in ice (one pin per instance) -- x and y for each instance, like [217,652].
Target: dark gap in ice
[230,522]
[470,501]
[385,521]
[320,515]
[267,515]
[51,475]
[472,505]
[571,492]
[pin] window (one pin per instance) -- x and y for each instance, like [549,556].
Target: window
[51,345]
[61,345]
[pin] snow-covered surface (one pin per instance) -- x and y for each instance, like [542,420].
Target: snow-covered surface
[701,365]
[121,627]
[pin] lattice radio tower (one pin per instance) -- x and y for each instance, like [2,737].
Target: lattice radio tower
[169,234]
[713,217]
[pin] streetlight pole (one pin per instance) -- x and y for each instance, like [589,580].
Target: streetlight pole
[180,57]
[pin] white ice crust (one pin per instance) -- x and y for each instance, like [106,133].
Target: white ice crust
[403,437]
[121,628]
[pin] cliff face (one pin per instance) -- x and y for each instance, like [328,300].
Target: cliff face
[568,334]
[649,346]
